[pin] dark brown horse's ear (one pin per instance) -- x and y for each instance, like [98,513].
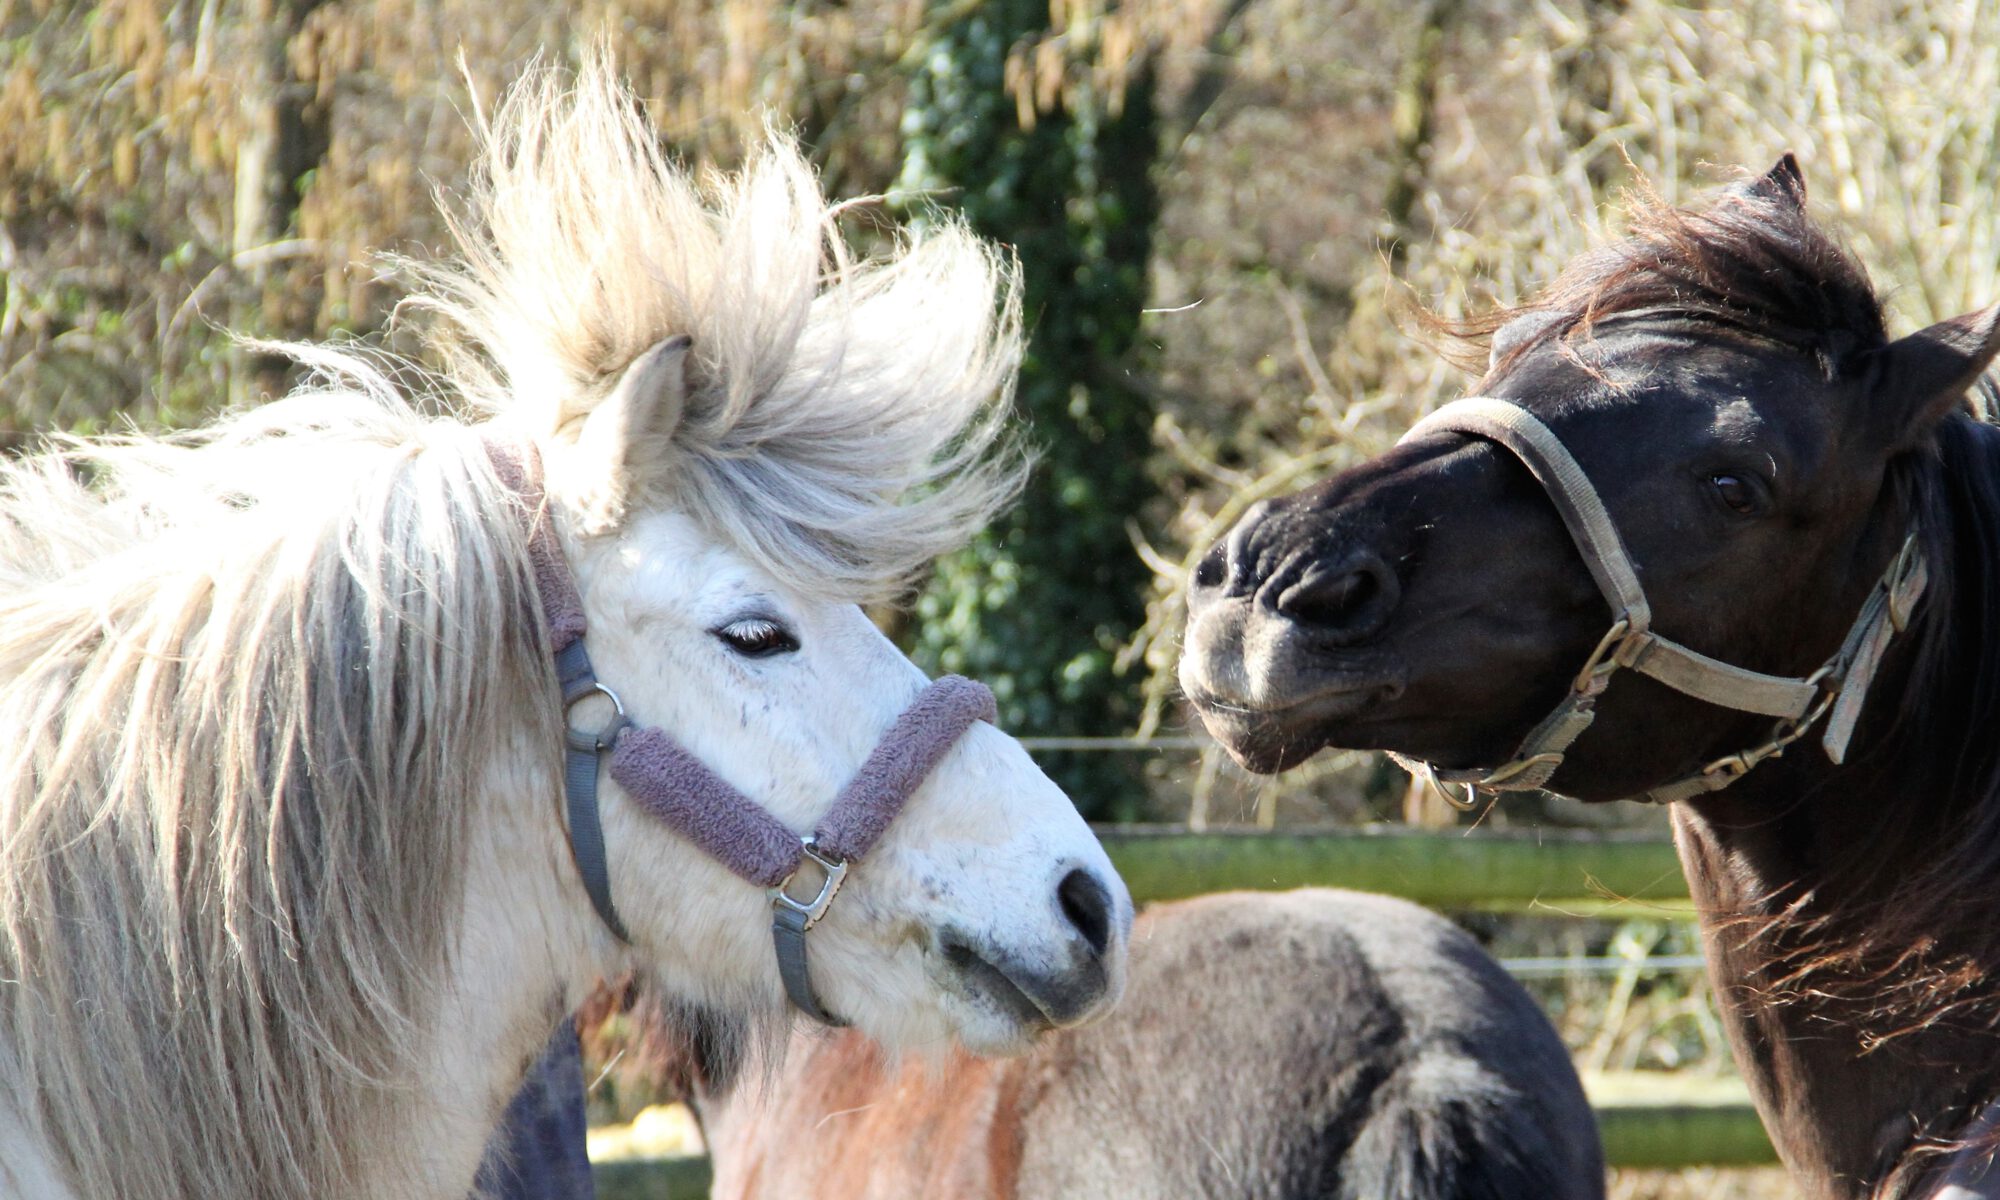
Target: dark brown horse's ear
[1924,377]
[1782,184]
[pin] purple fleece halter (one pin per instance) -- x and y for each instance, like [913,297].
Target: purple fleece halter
[675,787]
[678,790]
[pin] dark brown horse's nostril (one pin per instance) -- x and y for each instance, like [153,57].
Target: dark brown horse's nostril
[1212,569]
[1088,907]
[1347,602]
[1231,564]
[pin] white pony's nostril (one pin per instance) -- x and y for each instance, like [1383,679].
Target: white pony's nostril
[1087,904]
[1034,995]
[1000,986]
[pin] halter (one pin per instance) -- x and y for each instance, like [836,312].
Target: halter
[1839,687]
[677,789]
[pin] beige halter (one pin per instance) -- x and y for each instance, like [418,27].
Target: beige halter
[1839,687]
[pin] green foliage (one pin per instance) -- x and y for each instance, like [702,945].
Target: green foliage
[1041,605]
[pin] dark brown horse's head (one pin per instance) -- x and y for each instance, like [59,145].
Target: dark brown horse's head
[1725,381]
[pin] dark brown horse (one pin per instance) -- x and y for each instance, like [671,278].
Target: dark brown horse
[1787,489]
[1310,1045]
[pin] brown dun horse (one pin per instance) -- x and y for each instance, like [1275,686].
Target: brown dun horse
[1312,1044]
[1774,464]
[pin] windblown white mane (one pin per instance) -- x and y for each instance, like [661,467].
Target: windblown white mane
[246,675]
[842,416]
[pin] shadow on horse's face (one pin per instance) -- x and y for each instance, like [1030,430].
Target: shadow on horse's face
[1433,603]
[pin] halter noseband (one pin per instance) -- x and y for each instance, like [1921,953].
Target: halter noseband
[674,787]
[1838,687]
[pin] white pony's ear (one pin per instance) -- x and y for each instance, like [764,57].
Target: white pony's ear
[630,430]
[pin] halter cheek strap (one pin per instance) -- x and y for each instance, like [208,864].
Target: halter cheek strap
[671,785]
[1839,686]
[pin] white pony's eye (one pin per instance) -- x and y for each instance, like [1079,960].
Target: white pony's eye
[757,637]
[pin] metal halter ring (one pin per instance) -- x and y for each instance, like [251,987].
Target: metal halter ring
[812,910]
[1443,788]
[604,738]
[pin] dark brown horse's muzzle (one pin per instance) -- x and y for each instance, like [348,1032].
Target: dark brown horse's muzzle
[1283,620]
[1339,594]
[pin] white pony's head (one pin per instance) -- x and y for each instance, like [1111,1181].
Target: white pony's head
[748,434]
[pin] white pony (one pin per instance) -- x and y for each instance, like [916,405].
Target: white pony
[286,901]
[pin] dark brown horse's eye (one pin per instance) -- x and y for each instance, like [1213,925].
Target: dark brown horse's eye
[1735,493]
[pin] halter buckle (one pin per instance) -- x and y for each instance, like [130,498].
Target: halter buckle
[834,873]
[1611,654]
[1902,583]
[1733,767]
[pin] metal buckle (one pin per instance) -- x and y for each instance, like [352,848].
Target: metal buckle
[604,738]
[1735,766]
[1786,731]
[1901,574]
[812,910]
[1608,657]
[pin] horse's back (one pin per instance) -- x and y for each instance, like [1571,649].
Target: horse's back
[1315,1043]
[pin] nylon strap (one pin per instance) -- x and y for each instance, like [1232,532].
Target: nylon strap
[581,752]
[673,785]
[788,938]
[1841,685]
[1562,477]
[586,833]
[1696,674]
[1698,784]
[1886,614]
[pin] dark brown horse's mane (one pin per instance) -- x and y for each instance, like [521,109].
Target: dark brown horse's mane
[1903,931]
[1751,262]
[1923,946]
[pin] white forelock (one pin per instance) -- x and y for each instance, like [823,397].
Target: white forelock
[844,423]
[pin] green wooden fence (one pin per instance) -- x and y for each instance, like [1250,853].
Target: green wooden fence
[1564,870]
